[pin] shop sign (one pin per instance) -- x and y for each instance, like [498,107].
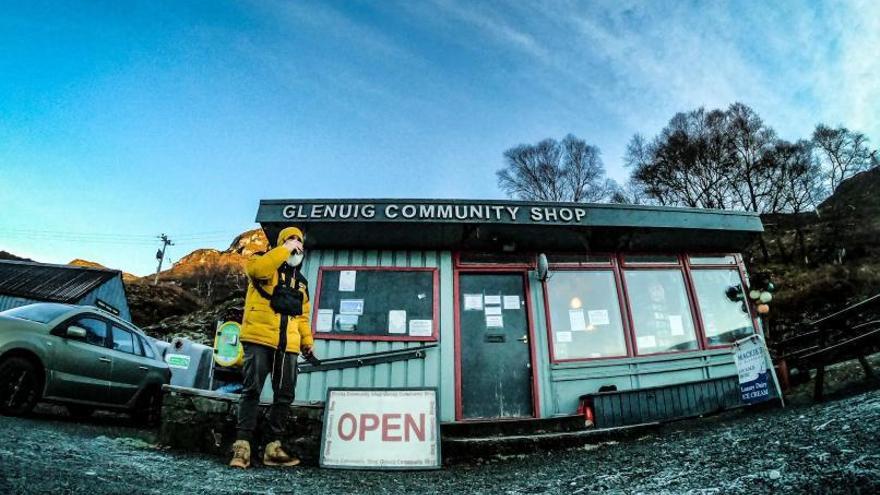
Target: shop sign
[751,360]
[380,429]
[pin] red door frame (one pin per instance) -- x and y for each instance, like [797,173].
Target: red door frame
[520,269]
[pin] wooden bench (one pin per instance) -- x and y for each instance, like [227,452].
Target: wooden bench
[851,333]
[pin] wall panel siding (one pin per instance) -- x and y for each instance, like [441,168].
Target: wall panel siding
[411,373]
[112,292]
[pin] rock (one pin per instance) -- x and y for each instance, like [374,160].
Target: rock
[775,474]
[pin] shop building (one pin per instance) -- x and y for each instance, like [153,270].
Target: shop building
[517,309]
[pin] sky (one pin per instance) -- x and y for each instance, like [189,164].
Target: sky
[123,120]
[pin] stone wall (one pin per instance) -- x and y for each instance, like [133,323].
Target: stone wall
[201,421]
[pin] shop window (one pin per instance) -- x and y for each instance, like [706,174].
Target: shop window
[723,305]
[634,259]
[660,311]
[376,304]
[585,315]
[713,260]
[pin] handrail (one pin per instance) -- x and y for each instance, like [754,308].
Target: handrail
[369,359]
[845,310]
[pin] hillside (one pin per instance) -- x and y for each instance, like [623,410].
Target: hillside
[824,260]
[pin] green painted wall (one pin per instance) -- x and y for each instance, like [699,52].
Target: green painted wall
[559,385]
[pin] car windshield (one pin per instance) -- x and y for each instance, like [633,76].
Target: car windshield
[40,313]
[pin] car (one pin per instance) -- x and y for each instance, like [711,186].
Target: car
[79,356]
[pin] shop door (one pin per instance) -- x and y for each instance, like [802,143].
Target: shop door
[496,374]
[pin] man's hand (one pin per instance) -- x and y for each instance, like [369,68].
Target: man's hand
[306,349]
[293,244]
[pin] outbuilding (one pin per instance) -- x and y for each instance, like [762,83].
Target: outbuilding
[27,282]
[520,309]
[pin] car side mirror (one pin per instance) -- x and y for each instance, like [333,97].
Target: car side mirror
[76,332]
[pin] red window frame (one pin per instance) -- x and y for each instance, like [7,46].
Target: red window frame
[618,265]
[612,266]
[435,318]
[739,266]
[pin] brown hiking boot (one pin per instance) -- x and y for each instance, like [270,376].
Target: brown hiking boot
[276,456]
[241,454]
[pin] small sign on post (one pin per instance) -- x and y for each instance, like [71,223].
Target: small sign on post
[754,369]
[384,428]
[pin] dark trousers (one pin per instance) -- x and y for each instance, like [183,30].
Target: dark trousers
[260,361]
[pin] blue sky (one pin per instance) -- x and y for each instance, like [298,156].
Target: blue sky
[122,120]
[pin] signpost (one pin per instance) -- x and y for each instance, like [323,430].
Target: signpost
[755,370]
[385,428]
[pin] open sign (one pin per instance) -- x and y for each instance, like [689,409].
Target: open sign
[381,429]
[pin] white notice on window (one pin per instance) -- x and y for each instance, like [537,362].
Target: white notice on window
[675,325]
[397,321]
[493,300]
[351,307]
[646,341]
[598,316]
[421,328]
[494,321]
[493,310]
[347,280]
[563,336]
[576,320]
[511,302]
[324,321]
[346,323]
[473,302]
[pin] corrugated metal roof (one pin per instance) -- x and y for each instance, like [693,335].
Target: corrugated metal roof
[44,282]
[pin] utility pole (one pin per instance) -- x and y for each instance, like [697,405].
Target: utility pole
[160,255]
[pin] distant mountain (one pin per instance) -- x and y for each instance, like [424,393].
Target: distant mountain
[91,264]
[9,256]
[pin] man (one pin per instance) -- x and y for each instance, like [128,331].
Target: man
[274,331]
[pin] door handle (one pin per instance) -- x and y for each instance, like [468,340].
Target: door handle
[524,339]
[144,368]
[104,359]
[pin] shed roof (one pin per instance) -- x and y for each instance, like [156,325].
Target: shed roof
[46,282]
[517,225]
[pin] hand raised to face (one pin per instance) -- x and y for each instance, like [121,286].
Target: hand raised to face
[293,244]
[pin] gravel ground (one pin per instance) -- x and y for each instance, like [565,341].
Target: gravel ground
[833,447]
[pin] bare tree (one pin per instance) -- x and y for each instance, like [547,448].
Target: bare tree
[689,163]
[570,170]
[843,152]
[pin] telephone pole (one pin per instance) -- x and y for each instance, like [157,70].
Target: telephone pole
[160,255]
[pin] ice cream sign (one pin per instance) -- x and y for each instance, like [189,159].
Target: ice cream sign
[751,360]
[381,429]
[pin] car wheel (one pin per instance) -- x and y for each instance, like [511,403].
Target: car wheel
[148,409]
[79,411]
[21,384]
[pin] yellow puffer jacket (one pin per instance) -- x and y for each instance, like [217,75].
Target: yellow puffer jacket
[261,324]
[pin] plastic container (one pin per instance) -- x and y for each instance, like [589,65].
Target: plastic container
[228,351]
[191,364]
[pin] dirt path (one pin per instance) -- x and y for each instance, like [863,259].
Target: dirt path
[822,448]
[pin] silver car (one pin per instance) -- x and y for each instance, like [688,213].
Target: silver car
[80,356]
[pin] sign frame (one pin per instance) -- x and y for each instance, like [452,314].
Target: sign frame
[326,424]
[771,370]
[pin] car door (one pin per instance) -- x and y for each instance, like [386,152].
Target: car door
[80,368]
[130,367]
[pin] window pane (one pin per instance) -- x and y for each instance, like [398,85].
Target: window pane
[578,258]
[122,340]
[40,313]
[148,349]
[96,330]
[651,258]
[660,311]
[585,315]
[713,260]
[722,305]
